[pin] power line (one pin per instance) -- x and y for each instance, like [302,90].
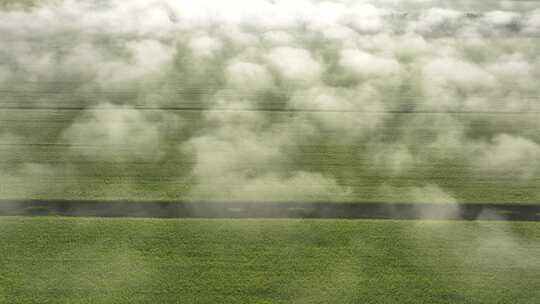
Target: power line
[259,109]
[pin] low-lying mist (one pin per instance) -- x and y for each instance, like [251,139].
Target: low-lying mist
[419,101]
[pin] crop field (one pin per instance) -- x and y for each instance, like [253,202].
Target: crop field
[270,151]
[315,101]
[83,260]
[45,165]
[66,260]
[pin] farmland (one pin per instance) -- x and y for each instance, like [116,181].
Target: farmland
[398,101]
[247,151]
[83,260]
[38,161]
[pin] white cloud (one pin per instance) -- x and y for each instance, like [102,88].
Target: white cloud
[366,18]
[431,194]
[347,56]
[532,23]
[462,74]
[301,186]
[150,55]
[396,159]
[365,65]
[500,18]
[436,20]
[278,38]
[110,132]
[246,76]
[295,64]
[513,69]
[446,80]
[204,46]
[510,155]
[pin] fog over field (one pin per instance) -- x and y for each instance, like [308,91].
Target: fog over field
[280,100]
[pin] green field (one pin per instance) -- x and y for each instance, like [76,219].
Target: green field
[38,159]
[276,101]
[429,102]
[67,260]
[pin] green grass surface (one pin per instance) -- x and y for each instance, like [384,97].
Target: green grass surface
[68,260]
[38,162]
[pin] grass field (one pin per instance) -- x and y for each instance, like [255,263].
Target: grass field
[211,101]
[275,101]
[39,162]
[67,260]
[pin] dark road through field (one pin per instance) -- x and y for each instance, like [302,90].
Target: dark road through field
[508,212]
